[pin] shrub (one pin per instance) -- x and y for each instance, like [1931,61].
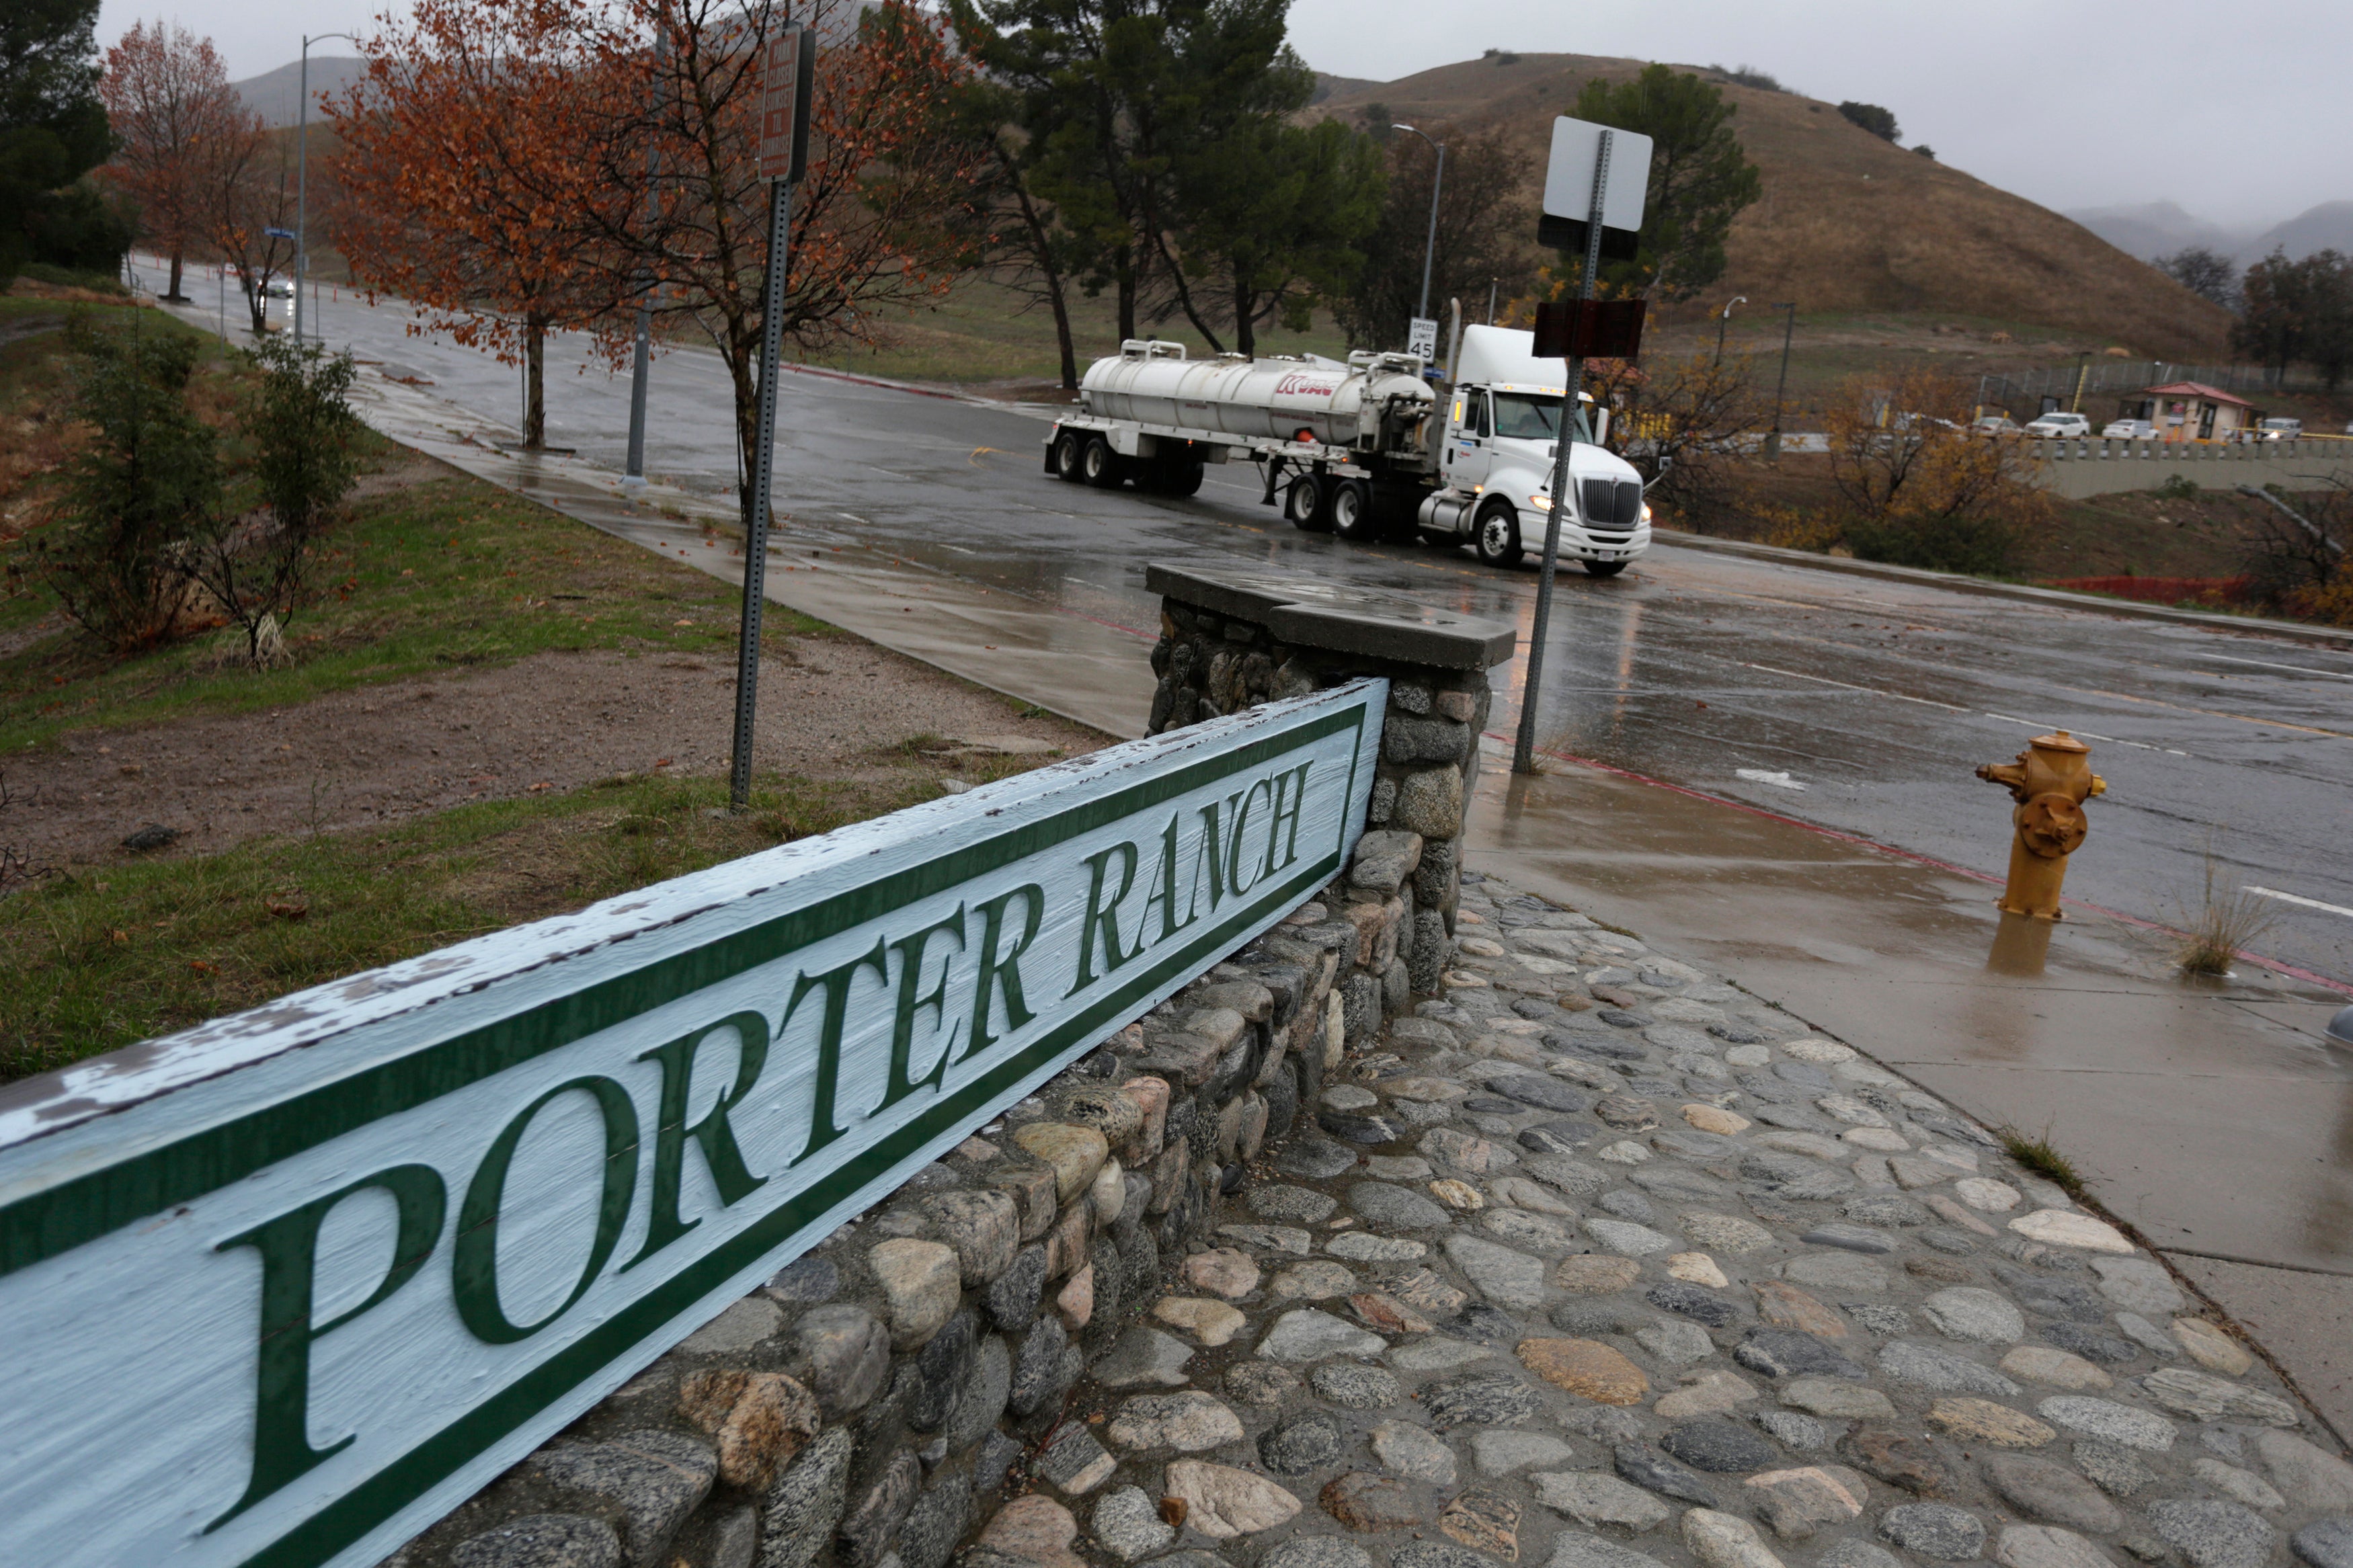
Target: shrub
[147,479]
[2176,487]
[1880,122]
[303,437]
[1916,489]
[66,278]
[1749,76]
[1979,543]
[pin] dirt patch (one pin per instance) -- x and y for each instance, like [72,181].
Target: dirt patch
[833,708]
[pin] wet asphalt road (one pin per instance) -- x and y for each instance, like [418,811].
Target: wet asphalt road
[1852,704]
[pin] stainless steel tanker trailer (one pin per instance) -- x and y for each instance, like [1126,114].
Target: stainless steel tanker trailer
[1367,448]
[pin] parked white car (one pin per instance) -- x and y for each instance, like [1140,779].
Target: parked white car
[2129,430]
[1994,425]
[2060,425]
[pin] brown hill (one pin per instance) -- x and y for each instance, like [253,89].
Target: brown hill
[1849,222]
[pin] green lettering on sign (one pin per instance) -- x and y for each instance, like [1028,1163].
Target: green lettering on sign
[288,1246]
[1289,784]
[1237,825]
[1002,974]
[1101,926]
[474,1271]
[835,982]
[721,1154]
[1163,889]
[909,950]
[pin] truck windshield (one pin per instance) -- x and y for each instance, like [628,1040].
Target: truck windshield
[1524,417]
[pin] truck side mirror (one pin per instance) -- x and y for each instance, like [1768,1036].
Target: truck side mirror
[1664,464]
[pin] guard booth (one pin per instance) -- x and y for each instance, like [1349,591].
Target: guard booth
[2190,410]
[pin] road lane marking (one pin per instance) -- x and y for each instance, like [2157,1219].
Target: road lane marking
[1948,707]
[2300,899]
[1759,775]
[2084,734]
[1870,690]
[2266,664]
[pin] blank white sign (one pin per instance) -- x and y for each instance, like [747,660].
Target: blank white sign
[1568,177]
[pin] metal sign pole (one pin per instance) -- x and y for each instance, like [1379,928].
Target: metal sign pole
[763,475]
[783,154]
[1523,750]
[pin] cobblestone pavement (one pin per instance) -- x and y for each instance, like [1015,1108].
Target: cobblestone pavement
[1600,1263]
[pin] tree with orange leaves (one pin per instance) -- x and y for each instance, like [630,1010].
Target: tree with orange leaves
[174,115]
[886,213]
[466,184]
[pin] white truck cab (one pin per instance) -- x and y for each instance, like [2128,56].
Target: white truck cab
[1496,452]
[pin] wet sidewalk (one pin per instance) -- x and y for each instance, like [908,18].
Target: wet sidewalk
[2214,1118]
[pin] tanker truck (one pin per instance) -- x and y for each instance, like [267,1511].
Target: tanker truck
[1365,448]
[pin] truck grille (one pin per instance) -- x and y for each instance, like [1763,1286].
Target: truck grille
[1614,504]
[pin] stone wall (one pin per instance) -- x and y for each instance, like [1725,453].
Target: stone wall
[869,1406]
[1232,641]
[873,1404]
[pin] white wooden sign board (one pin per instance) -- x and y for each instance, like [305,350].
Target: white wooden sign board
[283,1290]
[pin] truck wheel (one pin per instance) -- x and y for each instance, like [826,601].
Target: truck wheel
[1182,479]
[1101,465]
[1352,512]
[1304,504]
[1604,568]
[1497,537]
[1068,449]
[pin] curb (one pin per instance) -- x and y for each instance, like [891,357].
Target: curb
[2057,598]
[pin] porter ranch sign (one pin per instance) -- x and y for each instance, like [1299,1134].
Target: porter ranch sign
[285,1289]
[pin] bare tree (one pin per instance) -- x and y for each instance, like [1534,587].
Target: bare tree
[249,186]
[2206,273]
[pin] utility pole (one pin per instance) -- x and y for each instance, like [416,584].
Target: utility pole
[790,74]
[1524,746]
[302,178]
[1773,436]
[1437,183]
[1724,320]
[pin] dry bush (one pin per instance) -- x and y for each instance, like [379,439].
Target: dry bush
[1917,489]
[2296,557]
[1683,421]
[2222,928]
[1794,528]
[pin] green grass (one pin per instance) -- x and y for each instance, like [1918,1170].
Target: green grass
[428,571]
[437,576]
[90,962]
[2041,1156]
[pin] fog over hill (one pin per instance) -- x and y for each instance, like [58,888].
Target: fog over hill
[276,95]
[2160,229]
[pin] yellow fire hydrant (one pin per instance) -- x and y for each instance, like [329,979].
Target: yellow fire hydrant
[2050,781]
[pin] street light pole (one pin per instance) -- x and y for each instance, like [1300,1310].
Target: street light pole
[1773,437]
[302,178]
[1437,183]
[1724,320]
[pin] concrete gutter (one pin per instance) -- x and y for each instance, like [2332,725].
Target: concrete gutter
[2056,599]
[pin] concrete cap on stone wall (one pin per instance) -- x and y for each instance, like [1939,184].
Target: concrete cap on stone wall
[1340,617]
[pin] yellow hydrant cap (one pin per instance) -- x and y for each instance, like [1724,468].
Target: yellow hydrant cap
[2059,741]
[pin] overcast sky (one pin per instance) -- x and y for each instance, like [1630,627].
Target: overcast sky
[2239,112]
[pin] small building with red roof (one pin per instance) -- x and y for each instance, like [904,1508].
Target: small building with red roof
[2187,410]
